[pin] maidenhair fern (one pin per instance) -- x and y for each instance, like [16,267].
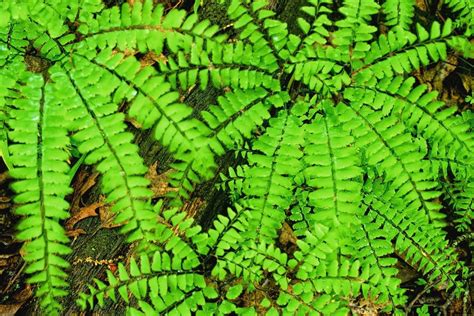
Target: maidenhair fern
[341,146]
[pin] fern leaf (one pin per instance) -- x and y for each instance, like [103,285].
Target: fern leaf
[100,134]
[39,157]
[332,169]
[317,29]
[460,196]
[464,9]
[255,23]
[401,52]
[143,27]
[392,152]
[424,246]
[354,31]
[269,181]
[399,13]
[445,132]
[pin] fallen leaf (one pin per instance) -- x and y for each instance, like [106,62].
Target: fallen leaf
[9,310]
[159,182]
[106,216]
[84,181]
[287,235]
[83,213]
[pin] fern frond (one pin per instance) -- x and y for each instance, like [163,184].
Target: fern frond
[223,65]
[332,169]
[391,150]
[464,9]
[254,22]
[373,249]
[143,27]
[39,156]
[317,29]
[460,196]
[268,186]
[399,13]
[422,245]
[445,132]
[354,31]
[162,277]
[12,43]
[401,52]
[100,134]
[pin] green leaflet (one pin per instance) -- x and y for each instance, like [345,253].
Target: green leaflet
[344,163]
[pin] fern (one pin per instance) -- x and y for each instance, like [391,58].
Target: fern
[342,150]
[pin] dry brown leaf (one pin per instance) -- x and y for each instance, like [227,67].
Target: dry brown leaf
[287,235]
[159,182]
[150,58]
[20,298]
[107,217]
[9,310]
[84,181]
[83,213]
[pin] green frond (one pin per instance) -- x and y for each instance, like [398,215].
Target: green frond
[373,249]
[399,13]
[267,189]
[144,27]
[422,245]
[460,196]
[237,114]
[399,51]
[39,155]
[448,135]
[317,29]
[369,272]
[387,147]
[163,277]
[354,31]
[255,24]
[99,133]
[332,172]
[464,9]
[222,65]
[48,15]
[12,44]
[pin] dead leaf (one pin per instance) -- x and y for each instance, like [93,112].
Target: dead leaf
[159,182]
[193,207]
[83,213]
[9,310]
[106,216]
[287,235]
[84,181]
[151,58]
[20,298]
[24,294]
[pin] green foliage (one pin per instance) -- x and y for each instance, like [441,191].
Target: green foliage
[342,150]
